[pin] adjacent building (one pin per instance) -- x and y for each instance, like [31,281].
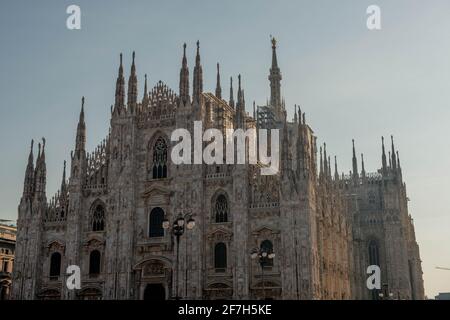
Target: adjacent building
[7,247]
[443,296]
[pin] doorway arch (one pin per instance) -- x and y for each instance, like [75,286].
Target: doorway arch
[155,291]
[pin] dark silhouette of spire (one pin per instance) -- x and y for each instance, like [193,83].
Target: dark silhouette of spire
[275,81]
[40,173]
[132,87]
[120,87]
[321,163]
[285,157]
[354,162]
[145,97]
[325,161]
[64,181]
[28,184]
[383,156]
[218,88]
[336,173]
[394,161]
[80,143]
[198,77]
[184,78]
[231,93]
[295,113]
[363,170]
[240,106]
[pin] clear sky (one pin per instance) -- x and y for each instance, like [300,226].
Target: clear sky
[352,82]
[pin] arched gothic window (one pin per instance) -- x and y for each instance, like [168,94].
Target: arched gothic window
[374,259]
[220,257]
[155,225]
[98,218]
[267,245]
[374,255]
[221,209]
[159,168]
[55,265]
[94,262]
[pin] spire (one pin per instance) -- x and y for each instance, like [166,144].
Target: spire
[82,110]
[254,109]
[240,106]
[329,168]
[184,78]
[30,156]
[325,162]
[239,93]
[321,163]
[120,87]
[295,113]
[132,87]
[355,162]
[145,98]
[363,170]
[218,88]
[383,156]
[29,174]
[80,142]
[42,157]
[63,182]
[275,78]
[336,173]
[39,153]
[240,96]
[198,76]
[398,161]
[301,156]
[299,115]
[40,172]
[285,157]
[274,53]
[394,161]
[231,93]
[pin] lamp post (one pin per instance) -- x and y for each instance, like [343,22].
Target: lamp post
[385,294]
[264,256]
[178,227]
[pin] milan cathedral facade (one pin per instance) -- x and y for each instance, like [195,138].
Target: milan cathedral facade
[325,228]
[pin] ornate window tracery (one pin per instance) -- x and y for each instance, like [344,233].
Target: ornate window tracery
[98,218]
[159,168]
[221,209]
[374,257]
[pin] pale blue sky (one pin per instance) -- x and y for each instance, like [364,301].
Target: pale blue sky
[352,82]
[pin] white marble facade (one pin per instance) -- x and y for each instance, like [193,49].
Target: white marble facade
[325,228]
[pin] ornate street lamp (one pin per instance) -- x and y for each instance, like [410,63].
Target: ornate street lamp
[265,257]
[385,294]
[178,227]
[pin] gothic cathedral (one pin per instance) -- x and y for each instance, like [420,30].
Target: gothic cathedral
[113,214]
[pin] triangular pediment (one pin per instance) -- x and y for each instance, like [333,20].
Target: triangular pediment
[156,191]
[265,230]
[220,234]
[157,195]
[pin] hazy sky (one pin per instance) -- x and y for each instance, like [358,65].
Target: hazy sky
[352,82]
